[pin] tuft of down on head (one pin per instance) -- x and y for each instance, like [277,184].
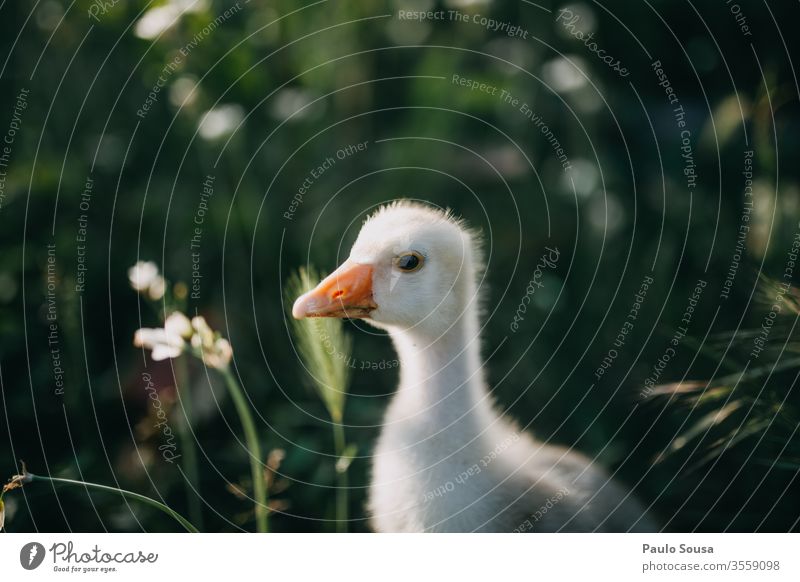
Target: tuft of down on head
[402,222]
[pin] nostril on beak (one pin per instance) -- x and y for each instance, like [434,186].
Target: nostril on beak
[337,294]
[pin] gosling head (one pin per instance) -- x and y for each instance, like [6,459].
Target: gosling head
[412,267]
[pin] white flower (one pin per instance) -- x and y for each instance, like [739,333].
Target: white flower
[220,121]
[145,278]
[221,355]
[178,324]
[157,288]
[158,19]
[142,274]
[162,343]
[203,337]
[215,351]
[170,341]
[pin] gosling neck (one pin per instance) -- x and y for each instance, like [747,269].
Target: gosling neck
[441,374]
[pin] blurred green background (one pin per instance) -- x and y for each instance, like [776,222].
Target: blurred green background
[260,98]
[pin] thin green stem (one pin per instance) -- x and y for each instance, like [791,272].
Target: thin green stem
[254,448]
[188,443]
[342,483]
[139,497]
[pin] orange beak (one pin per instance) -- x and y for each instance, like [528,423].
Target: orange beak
[347,292]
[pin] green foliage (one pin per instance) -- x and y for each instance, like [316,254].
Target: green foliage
[374,78]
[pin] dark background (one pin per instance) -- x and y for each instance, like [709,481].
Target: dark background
[368,76]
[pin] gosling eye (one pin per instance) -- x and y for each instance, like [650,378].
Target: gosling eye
[409,262]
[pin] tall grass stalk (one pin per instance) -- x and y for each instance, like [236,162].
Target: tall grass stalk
[342,484]
[325,349]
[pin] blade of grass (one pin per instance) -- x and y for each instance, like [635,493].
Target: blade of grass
[130,494]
